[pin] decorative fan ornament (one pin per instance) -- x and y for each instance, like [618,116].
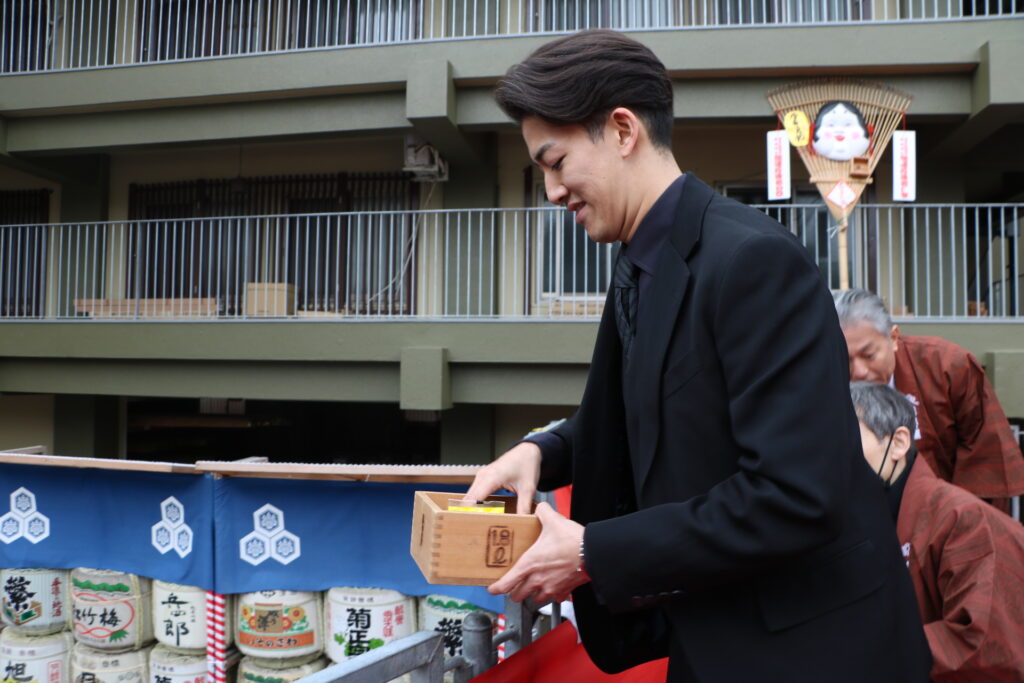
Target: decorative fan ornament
[840,127]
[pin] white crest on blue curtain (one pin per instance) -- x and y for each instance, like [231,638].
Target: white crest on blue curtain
[269,538]
[24,520]
[171,532]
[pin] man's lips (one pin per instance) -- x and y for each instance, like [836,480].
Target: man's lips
[577,209]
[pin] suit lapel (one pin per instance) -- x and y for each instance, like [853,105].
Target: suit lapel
[657,320]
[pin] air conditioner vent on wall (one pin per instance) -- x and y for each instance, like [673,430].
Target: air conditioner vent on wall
[424,161]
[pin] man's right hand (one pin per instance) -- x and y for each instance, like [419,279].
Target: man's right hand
[517,470]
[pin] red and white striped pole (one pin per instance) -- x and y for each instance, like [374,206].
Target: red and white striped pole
[499,627]
[216,647]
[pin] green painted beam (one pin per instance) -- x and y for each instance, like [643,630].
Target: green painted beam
[896,47]
[430,105]
[369,113]
[997,97]
[491,363]
[288,341]
[425,379]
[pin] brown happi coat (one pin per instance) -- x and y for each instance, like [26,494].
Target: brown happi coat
[964,432]
[967,563]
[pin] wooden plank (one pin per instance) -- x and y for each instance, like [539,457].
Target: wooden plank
[442,474]
[29,450]
[576,309]
[97,463]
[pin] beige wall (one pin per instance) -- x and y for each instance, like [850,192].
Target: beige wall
[281,158]
[512,159]
[512,422]
[26,420]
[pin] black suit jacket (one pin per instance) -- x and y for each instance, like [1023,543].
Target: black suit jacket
[732,522]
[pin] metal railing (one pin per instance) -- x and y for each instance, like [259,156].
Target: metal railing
[936,261]
[421,655]
[55,35]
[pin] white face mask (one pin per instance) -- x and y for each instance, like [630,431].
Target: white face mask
[840,135]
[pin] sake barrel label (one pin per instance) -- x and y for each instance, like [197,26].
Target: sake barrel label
[33,595]
[363,619]
[275,627]
[105,622]
[179,615]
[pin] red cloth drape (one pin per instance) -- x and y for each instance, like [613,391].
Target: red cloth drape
[556,657]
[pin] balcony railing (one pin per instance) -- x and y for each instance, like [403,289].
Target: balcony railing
[55,35]
[935,261]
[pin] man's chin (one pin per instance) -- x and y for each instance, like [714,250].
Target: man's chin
[597,235]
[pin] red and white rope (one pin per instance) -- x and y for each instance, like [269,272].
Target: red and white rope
[216,646]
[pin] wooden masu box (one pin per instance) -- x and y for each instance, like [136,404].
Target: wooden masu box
[467,548]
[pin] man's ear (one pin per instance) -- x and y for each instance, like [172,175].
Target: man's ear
[894,336]
[901,440]
[627,129]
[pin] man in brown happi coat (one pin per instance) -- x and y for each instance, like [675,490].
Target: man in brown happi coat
[966,560]
[963,432]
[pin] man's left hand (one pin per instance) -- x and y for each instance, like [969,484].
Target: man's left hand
[549,569]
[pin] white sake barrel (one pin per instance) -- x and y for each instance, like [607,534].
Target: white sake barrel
[361,619]
[279,624]
[169,666]
[35,601]
[89,665]
[46,659]
[113,610]
[255,670]
[179,616]
[444,615]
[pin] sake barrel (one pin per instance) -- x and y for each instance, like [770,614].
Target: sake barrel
[179,616]
[36,659]
[113,610]
[35,601]
[279,624]
[444,615]
[361,619]
[255,670]
[89,665]
[169,666]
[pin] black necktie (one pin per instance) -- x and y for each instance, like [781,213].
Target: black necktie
[626,301]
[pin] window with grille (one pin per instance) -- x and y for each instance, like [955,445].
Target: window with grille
[23,252]
[341,241]
[572,271]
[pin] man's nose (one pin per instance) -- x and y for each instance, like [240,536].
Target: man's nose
[557,193]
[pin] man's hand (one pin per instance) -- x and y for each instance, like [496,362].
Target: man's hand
[518,470]
[549,569]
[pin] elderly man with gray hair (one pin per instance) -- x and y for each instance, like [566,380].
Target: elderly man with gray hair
[966,559]
[961,429]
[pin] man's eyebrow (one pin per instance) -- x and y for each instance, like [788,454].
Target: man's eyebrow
[540,152]
[865,346]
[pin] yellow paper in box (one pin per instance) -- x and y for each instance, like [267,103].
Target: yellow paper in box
[491,506]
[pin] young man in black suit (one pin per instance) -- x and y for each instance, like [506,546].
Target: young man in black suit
[722,513]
